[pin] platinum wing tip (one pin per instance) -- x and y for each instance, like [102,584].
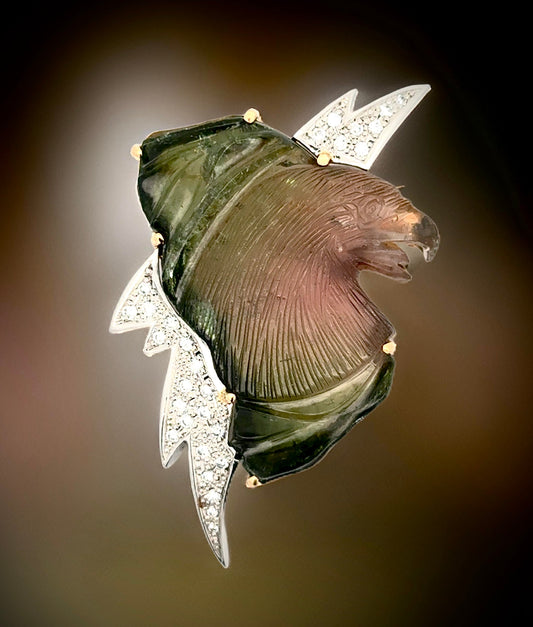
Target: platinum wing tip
[357,137]
[192,413]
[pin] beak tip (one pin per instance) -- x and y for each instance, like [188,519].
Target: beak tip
[427,235]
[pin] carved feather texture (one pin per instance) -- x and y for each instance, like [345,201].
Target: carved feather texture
[276,285]
[263,252]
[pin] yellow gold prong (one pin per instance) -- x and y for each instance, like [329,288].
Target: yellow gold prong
[156,239]
[389,348]
[323,158]
[135,152]
[225,397]
[252,115]
[253,482]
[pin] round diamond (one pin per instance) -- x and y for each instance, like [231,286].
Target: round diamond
[206,390]
[221,462]
[186,343]
[375,127]
[148,309]
[208,476]
[319,136]
[356,129]
[197,365]
[129,312]
[171,322]
[173,435]
[385,111]
[186,421]
[212,496]
[185,385]
[202,451]
[340,143]
[361,149]
[211,512]
[218,430]
[204,412]
[145,287]
[179,404]
[159,336]
[334,119]
[401,100]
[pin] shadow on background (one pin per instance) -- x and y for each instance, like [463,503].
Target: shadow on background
[421,515]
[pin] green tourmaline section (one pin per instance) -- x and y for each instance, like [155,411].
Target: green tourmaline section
[187,176]
[276,439]
[262,254]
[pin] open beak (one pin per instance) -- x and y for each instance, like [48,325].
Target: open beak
[379,247]
[414,228]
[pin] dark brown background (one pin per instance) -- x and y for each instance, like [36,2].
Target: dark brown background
[422,514]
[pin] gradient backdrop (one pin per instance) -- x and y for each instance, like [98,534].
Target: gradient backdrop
[422,514]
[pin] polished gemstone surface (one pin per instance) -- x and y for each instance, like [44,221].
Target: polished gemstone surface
[262,254]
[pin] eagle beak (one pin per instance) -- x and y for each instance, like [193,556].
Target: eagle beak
[426,237]
[381,247]
[416,229]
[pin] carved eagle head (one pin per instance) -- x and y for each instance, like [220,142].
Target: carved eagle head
[375,220]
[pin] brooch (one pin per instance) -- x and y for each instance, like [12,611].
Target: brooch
[253,285]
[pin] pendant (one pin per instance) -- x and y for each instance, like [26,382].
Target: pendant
[276,352]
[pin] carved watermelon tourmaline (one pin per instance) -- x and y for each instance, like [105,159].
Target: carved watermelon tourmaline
[259,263]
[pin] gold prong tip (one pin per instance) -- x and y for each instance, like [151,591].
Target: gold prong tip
[156,239]
[135,152]
[389,348]
[323,158]
[225,397]
[252,115]
[253,482]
